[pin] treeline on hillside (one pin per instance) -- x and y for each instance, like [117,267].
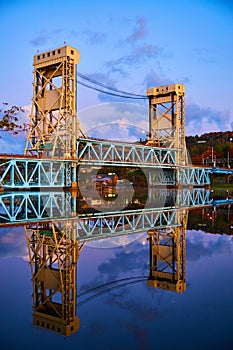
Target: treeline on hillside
[211,148]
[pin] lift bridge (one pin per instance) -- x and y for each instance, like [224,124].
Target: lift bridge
[56,145]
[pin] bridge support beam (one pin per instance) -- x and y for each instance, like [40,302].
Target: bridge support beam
[53,255]
[53,127]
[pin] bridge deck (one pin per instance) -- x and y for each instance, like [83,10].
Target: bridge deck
[30,172]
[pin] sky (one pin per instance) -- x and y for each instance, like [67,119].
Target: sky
[130,47]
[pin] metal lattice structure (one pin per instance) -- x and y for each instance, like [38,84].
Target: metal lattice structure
[168,256]
[54,135]
[37,207]
[36,173]
[31,173]
[53,259]
[167,118]
[124,154]
[53,124]
[193,176]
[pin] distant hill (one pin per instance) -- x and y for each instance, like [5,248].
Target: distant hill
[213,147]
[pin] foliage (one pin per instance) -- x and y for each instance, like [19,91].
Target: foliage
[218,144]
[9,122]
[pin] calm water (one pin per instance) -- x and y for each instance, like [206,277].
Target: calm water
[116,306]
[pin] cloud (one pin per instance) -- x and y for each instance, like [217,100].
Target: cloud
[141,310]
[138,332]
[134,260]
[199,246]
[49,37]
[138,55]
[153,79]
[139,31]
[201,120]
[44,37]
[39,40]
[115,120]
[94,37]
[12,242]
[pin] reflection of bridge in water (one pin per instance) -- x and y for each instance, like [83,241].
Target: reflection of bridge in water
[25,207]
[58,224]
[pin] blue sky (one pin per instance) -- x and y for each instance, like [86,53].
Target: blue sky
[129,46]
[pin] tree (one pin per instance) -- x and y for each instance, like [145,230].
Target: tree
[9,121]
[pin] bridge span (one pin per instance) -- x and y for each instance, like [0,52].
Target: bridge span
[30,172]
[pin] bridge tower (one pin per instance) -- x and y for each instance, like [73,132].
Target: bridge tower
[168,256]
[53,254]
[167,119]
[53,124]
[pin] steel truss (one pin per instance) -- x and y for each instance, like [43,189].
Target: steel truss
[193,176]
[167,118]
[23,207]
[109,225]
[53,259]
[31,173]
[53,126]
[34,206]
[196,197]
[94,152]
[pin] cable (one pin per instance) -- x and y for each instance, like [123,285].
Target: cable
[108,290]
[110,93]
[107,284]
[108,87]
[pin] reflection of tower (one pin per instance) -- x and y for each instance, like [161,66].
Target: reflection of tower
[167,256]
[53,121]
[53,256]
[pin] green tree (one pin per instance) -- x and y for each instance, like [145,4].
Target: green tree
[9,119]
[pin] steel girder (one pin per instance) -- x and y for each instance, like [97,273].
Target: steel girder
[109,225]
[197,197]
[168,256]
[219,171]
[31,173]
[53,123]
[193,176]
[167,118]
[94,152]
[53,259]
[34,207]
[23,207]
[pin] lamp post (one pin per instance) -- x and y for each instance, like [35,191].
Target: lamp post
[228,154]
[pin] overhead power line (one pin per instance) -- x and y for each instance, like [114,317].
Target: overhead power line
[119,93]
